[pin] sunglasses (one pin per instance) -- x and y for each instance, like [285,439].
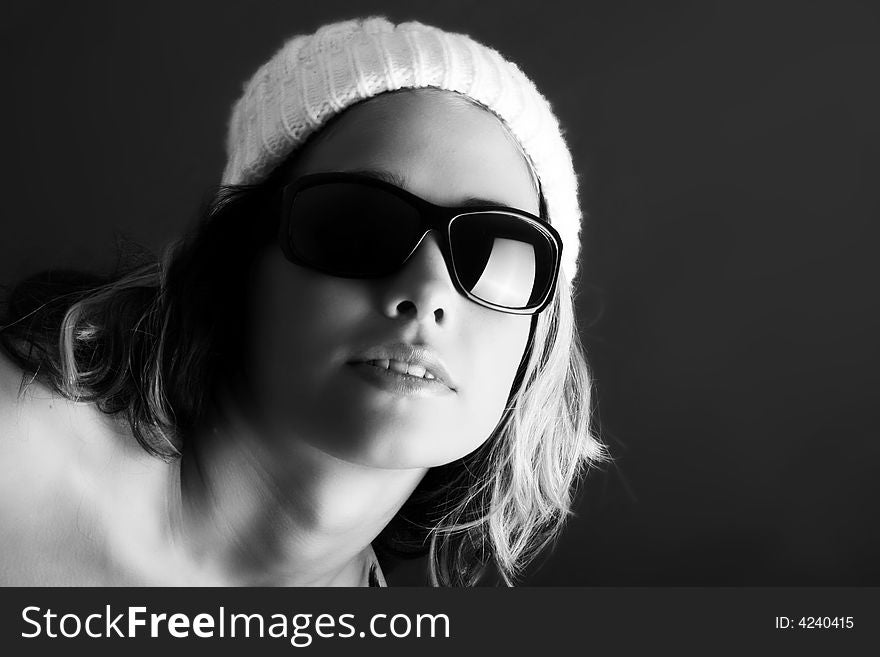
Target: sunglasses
[356,226]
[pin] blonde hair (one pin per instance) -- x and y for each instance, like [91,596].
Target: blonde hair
[519,489]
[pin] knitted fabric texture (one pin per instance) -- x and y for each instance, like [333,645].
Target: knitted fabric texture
[314,77]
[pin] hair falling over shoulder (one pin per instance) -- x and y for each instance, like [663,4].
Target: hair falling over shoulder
[147,343]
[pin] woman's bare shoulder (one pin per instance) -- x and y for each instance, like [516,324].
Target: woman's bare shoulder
[48,458]
[20,397]
[70,476]
[44,437]
[29,410]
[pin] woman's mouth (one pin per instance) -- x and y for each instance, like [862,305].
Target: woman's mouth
[410,369]
[404,369]
[399,378]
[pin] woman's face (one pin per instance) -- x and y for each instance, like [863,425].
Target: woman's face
[312,335]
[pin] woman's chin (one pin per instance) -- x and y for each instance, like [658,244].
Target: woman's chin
[392,443]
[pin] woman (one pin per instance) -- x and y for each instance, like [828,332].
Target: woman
[368,341]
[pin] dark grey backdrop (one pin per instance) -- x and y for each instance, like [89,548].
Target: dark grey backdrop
[729,161]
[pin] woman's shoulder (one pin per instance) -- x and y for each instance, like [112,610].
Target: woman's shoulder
[52,454]
[34,416]
[40,431]
[26,407]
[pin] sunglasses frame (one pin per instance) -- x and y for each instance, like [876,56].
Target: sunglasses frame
[433,217]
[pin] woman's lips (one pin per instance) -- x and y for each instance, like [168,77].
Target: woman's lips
[401,367]
[404,368]
[398,383]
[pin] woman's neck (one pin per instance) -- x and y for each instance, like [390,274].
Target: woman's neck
[280,512]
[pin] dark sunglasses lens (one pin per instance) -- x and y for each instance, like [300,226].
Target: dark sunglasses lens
[350,229]
[502,259]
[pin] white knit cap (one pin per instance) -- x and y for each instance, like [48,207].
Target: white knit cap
[314,77]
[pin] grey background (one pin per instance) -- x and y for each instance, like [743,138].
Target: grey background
[729,159]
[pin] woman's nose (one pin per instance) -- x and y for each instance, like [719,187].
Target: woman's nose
[422,289]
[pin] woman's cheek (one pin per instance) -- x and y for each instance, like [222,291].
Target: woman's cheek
[298,321]
[498,350]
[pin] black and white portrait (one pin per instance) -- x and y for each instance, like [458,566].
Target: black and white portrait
[421,294]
